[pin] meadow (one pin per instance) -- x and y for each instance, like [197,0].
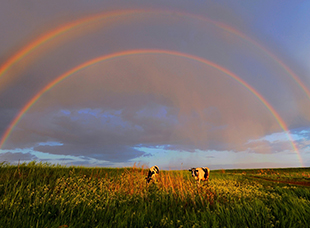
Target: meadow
[45,195]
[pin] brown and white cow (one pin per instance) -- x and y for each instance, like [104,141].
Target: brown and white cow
[153,171]
[202,173]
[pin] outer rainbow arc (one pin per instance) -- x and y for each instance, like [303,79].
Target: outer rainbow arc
[56,32]
[69,26]
[274,57]
[148,51]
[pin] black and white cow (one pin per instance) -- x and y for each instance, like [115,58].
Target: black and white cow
[202,173]
[154,170]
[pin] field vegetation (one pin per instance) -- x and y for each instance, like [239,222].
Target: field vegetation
[45,195]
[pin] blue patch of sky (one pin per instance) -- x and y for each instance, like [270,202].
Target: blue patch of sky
[174,159]
[296,135]
[302,131]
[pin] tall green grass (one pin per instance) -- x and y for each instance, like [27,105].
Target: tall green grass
[44,195]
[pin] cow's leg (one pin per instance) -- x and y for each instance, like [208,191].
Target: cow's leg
[207,179]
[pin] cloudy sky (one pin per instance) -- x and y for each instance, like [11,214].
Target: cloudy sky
[178,84]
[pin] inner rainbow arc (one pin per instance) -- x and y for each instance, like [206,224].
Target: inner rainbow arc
[29,104]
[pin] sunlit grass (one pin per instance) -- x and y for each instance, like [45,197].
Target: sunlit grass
[44,195]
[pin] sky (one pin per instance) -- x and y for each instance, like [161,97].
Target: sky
[178,84]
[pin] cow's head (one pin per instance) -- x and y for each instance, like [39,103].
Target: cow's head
[153,171]
[194,172]
[156,169]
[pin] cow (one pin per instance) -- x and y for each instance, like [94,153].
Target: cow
[153,171]
[202,173]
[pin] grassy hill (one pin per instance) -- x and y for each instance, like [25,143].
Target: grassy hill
[44,195]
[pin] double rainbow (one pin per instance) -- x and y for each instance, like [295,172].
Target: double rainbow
[36,43]
[141,52]
[63,29]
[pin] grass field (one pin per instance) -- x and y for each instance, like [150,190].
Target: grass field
[44,195]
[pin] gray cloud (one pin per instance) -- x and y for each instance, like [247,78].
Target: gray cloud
[106,111]
[17,157]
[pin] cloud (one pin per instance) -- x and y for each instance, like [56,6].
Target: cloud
[17,157]
[145,102]
[280,142]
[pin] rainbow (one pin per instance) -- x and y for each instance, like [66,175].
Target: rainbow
[84,21]
[140,52]
[43,39]
[270,54]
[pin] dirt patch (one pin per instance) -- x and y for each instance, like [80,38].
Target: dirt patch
[283,182]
